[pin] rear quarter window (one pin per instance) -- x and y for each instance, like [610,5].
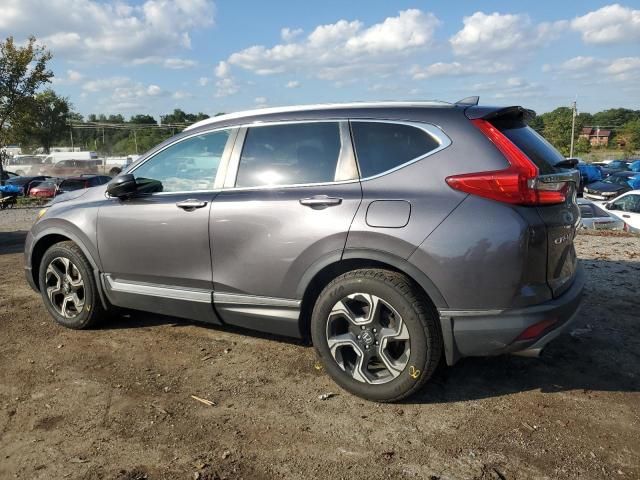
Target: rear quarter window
[382,146]
[533,145]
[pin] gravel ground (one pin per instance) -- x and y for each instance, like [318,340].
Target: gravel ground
[115,403]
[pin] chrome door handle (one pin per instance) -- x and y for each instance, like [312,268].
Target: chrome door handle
[320,201]
[191,204]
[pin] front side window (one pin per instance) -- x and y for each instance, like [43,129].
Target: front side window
[186,166]
[297,153]
[629,203]
[381,147]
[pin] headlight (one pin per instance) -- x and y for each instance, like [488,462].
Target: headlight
[41,213]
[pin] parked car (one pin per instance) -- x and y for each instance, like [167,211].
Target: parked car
[595,218]
[634,165]
[44,188]
[81,182]
[614,166]
[588,174]
[26,164]
[65,168]
[389,234]
[627,207]
[6,175]
[612,186]
[25,182]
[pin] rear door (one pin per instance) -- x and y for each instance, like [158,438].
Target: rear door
[561,220]
[290,195]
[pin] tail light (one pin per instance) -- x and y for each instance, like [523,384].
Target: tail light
[537,329]
[518,184]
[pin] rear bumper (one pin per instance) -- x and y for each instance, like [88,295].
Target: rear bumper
[493,332]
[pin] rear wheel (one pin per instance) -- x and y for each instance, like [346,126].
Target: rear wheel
[377,334]
[68,287]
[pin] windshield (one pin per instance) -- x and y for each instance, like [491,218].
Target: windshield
[616,180]
[69,185]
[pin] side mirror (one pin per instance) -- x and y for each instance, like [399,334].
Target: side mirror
[122,186]
[610,206]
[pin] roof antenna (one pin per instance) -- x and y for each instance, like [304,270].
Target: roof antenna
[470,101]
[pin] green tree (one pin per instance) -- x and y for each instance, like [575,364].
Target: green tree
[630,135]
[46,121]
[23,70]
[143,119]
[582,146]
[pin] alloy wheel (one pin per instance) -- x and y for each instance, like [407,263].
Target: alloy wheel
[65,287]
[368,338]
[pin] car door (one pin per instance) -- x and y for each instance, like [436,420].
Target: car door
[154,246]
[627,207]
[290,195]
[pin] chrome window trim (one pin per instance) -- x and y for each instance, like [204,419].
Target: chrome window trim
[432,130]
[346,157]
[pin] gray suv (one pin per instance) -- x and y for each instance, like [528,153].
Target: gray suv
[391,235]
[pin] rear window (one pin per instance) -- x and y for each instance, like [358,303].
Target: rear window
[69,185]
[534,146]
[381,146]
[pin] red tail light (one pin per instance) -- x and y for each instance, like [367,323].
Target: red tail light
[517,184]
[535,330]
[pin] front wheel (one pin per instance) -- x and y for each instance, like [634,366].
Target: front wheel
[376,334]
[68,287]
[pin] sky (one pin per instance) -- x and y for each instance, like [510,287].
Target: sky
[136,56]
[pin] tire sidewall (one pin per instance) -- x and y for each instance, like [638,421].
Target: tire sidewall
[419,357]
[84,318]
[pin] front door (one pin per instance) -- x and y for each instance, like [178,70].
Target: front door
[154,247]
[290,196]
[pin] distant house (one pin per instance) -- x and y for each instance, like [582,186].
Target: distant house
[597,137]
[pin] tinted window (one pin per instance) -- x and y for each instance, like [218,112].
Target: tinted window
[383,146]
[289,154]
[541,152]
[69,185]
[585,211]
[186,166]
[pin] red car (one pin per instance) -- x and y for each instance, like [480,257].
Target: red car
[44,189]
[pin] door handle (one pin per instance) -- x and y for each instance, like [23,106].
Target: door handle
[320,201]
[191,204]
[626,216]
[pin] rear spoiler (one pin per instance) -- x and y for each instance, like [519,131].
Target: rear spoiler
[490,113]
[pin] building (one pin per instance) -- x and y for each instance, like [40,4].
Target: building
[597,137]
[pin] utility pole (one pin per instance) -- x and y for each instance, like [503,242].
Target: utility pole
[574,113]
[71,133]
[135,140]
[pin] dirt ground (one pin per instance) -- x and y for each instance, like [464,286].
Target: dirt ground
[115,403]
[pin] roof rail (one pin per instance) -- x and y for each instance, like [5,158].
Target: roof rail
[470,101]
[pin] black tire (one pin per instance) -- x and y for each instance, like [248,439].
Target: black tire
[92,310]
[415,310]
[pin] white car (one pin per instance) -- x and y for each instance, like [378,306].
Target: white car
[594,217]
[627,207]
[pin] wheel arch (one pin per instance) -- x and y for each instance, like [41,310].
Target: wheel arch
[319,275]
[51,237]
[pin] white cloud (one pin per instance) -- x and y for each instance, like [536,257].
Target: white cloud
[292,84]
[510,87]
[598,69]
[345,46]
[222,70]
[226,87]
[181,95]
[441,69]
[289,34]
[489,34]
[74,76]
[204,81]
[98,31]
[153,90]
[105,84]
[609,24]
[260,100]
[173,63]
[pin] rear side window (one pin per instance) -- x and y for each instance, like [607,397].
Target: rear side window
[69,185]
[381,147]
[541,152]
[291,154]
[586,211]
